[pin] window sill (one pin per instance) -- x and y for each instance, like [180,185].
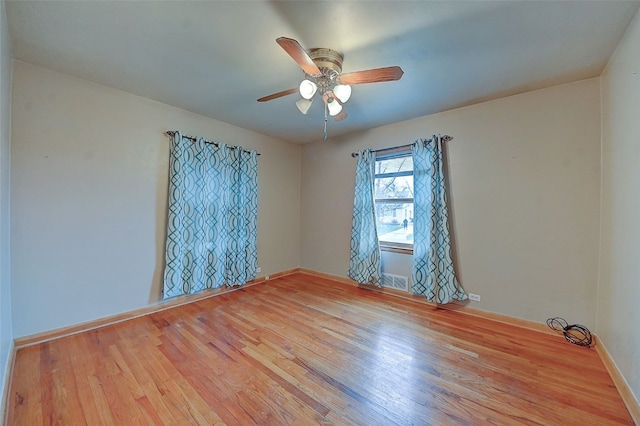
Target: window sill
[400,250]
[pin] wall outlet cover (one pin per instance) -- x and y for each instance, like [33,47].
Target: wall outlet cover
[474,297]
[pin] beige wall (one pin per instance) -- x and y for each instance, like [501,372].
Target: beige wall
[89,195]
[619,280]
[524,190]
[6,333]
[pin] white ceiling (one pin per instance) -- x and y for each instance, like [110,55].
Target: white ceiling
[216,58]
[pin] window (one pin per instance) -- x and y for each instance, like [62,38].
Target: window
[394,199]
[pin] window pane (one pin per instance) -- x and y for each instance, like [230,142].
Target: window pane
[394,187]
[395,222]
[393,165]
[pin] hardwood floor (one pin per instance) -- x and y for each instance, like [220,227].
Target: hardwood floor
[304,350]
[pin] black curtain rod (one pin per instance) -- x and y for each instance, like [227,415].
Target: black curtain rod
[194,139]
[445,138]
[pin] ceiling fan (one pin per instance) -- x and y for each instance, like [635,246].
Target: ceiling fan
[323,76]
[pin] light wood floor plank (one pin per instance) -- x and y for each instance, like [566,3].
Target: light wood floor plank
[305,350]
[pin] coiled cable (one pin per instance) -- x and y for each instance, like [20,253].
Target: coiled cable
[574,333]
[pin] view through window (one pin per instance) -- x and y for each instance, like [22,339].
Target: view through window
[394,199]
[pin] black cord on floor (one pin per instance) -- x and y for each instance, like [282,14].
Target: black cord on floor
[574,333]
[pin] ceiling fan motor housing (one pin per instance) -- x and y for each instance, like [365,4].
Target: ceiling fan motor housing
[327,58]
[329,62]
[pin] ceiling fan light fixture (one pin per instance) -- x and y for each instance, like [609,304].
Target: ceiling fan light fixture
[334,107]
[304,105]
[342,92]
[308,89]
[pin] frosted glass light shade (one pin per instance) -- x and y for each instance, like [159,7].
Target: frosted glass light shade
[334,107]
[308,89]
[342,92]
[304,105]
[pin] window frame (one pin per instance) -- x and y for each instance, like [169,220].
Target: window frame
[387,155]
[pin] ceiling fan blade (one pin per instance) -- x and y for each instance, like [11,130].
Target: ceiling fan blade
[297,52]
[376,75]
[278,95]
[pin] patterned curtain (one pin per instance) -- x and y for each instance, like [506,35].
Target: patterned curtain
[364,265]
[212,218]
[433,274]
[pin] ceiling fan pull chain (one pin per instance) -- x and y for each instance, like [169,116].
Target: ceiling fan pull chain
[325,121]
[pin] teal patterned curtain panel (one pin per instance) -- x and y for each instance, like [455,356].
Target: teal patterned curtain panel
[432,273]
[212,217]
[364,265]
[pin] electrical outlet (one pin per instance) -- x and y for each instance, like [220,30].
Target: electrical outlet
[474,297]
[259,270]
